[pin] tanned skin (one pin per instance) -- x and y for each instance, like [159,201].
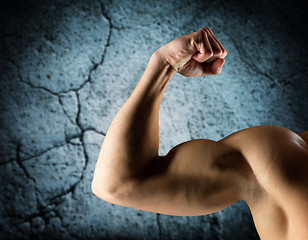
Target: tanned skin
[266,166]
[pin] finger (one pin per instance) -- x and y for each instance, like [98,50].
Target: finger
[213,68]
[192,69]
[204,48]
[217,51]
[221,46]
[215,46]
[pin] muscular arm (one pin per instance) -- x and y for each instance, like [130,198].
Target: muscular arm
[194,178]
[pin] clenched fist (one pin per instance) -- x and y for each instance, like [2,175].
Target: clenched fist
[196,54]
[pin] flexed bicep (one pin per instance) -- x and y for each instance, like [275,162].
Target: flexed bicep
[195,178]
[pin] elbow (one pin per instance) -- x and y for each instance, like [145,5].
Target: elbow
[102,190]
[118,194]
[95,188]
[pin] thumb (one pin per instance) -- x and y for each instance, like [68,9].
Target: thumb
[216,66]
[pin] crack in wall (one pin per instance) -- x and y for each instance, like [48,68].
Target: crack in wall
[105,15]
[19,163]
[60,217]
[57,94]
[77,119]
[58,145]
[94,67]
[189,130]
[238,46]
[159,227]
[86,157]
[36,155]
[60,102]
[44,209]
[25,82]
[65,113]
[41,212]
[215,227]
[95,130]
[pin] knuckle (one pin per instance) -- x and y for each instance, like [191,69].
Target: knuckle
[209,30]
[210,53]
[198,34]
[218,52]
[225,52]
[206,29]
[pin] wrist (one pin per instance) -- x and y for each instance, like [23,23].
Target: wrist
[175,61]
[158,69]
[160,55]
[155,78]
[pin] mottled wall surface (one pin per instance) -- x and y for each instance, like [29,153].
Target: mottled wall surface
[66,68]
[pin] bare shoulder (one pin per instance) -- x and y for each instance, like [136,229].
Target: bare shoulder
[275,154]
[279,160]
[269,146]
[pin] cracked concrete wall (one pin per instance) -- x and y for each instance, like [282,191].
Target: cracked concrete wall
[68,66]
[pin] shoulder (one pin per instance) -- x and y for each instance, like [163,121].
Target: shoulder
[269,144]
[272,151]
[279,161]
[265,134]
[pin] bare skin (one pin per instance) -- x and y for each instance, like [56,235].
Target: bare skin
[266,166]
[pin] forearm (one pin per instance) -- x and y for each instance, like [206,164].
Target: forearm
[132,140]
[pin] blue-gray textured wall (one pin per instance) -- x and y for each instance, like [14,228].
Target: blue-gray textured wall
[68,66]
